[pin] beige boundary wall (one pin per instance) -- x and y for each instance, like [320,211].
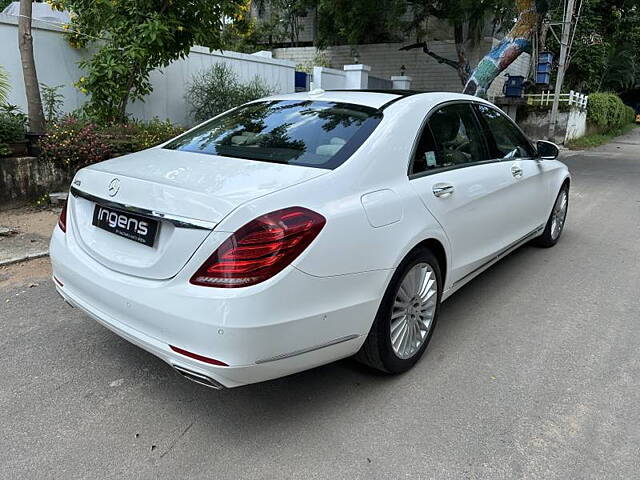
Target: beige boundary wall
[386,60]
[57,64]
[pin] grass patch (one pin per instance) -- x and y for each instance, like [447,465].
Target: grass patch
[597,139]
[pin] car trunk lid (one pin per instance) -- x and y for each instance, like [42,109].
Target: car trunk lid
[187,194]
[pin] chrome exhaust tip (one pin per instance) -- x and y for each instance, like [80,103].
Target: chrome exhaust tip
[198,378]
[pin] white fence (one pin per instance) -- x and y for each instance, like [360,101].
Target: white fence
[328,78]
[355,77]
[57,64]
[573,99]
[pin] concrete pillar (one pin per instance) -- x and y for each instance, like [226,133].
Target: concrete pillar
[357,76]
[401,82]
[511,110]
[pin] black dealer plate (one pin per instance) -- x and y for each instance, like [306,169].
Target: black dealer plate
[126,224]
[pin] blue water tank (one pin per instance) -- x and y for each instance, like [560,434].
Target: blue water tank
[514,86]
[545,57]
[543,69]
[543,78]
[301,83]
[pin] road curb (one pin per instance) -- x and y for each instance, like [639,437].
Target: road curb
[31,256]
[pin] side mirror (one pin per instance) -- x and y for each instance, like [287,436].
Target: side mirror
[547,150]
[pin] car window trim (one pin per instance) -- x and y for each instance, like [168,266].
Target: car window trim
[427,173]
[487,130]
[358,139]
[425,122]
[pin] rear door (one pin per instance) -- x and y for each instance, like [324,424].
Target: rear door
[463,187]
[508,144]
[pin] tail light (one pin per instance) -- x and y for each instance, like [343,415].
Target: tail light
[260,249]
[62,220]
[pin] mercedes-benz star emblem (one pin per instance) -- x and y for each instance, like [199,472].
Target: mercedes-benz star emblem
[114,187]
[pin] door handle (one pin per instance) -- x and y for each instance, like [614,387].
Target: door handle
[516,171]
[443,190]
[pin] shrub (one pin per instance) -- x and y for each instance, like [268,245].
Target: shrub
[136,135]
[52,101]
[13,126]
[218,89]
[630,114]
[607,112]
[72,143]
[319,60]
[155,132]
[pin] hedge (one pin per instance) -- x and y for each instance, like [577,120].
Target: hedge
[607,112]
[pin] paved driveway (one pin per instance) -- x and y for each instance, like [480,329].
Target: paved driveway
[533,372]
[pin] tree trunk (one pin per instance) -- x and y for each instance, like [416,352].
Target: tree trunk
[463,68]
[516,42]
[121,108]
[544,32]
[461,64]
[31,86]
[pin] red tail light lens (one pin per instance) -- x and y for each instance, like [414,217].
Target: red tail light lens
[260,249]
[62,220]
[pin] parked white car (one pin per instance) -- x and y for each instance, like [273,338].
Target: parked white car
[300,229]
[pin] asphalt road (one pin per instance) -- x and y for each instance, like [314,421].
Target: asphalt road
[533,372]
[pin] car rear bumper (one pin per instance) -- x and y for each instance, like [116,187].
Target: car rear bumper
[290,323]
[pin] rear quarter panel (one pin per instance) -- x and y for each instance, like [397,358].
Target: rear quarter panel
[352,242]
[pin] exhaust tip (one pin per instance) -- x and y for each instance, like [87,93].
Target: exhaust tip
[198,378]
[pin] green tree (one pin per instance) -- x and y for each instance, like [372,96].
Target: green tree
[134,37]
[468,19]
[606,50]
[287,17]
[338,22]
[354,22]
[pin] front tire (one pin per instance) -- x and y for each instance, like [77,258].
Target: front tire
[555,224]
[407,315]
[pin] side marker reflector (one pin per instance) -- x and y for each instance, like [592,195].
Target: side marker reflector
[211,361]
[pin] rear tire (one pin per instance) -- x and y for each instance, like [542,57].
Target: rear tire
[555,224]
[407,315]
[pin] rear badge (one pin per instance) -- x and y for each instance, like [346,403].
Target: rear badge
[114,187]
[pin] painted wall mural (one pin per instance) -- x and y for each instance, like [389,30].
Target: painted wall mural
[516,42]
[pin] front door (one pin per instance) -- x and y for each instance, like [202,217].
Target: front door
[464,189]
[509,145]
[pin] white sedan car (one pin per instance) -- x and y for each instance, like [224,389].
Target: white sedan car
[300,229]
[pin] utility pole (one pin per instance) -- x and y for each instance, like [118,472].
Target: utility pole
[562,67]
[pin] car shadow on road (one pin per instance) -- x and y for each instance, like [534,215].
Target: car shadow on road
[323,389]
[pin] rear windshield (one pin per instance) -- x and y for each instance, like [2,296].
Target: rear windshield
[295,132]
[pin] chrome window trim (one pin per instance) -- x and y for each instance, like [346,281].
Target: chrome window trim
[176,220]
[473,104]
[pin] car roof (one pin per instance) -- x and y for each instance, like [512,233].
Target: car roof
[378,99]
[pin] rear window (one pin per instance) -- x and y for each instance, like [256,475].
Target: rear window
[295,132]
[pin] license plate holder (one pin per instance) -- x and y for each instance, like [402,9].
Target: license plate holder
[125,224]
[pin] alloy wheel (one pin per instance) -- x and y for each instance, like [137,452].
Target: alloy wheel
[413,310]
[559,214]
